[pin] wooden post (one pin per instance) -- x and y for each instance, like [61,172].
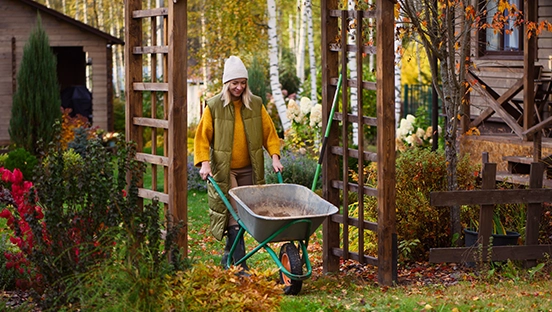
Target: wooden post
[534,211]
[488,176]
[529,53]
[178,117]
[330,169]
[133,72]
[385,141]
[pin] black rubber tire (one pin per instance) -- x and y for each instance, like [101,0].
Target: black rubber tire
[289,256]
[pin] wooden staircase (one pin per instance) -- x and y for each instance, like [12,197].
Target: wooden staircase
[519,168]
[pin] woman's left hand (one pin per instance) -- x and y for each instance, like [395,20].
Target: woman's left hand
[276,164]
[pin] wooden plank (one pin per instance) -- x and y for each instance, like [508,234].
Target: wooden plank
[488,183]
[369,191]
[150,13]
[351,118]
[178,119]
[150,86]
[534,212]
[355,256]
[498,253]
[151,50]
[149,194]
[368,156]
[150,122]
[370,226]
[387,264]
[490,197]
[153,159]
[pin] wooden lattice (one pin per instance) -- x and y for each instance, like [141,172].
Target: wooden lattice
[156,101]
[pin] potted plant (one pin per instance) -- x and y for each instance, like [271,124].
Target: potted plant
[501,237]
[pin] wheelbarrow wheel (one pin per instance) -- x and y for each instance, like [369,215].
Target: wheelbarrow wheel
[289,256]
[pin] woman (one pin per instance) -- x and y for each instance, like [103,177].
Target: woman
[228,146]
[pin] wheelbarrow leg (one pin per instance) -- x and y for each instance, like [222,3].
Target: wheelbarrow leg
[239,252]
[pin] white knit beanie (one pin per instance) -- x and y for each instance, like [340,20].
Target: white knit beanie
[234,69]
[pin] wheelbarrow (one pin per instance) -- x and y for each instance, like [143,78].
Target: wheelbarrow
[280,212]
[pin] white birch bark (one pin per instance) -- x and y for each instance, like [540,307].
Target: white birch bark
[398,84]
[312,59]
[274,66]
[301,46]
[353,92]
[113,31]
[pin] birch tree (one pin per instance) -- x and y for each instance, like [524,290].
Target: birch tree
[301,45]
[274,65]
[312,57]
[352,65]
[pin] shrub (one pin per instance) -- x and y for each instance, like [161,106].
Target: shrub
[298,169]
[70,220]
[36,106]
[420,172]
[21,159]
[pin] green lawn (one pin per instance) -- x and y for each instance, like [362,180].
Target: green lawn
[513,289]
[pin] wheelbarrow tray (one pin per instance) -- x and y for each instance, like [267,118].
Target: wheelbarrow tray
[265,209]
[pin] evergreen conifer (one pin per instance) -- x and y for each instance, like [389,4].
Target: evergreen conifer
[36,103]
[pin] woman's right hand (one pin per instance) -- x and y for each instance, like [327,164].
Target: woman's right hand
[205,170]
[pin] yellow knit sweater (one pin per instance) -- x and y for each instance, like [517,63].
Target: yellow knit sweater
[240,153]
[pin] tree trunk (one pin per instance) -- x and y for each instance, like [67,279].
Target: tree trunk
[274,66]
[312,59]
[301,47]
[353,72]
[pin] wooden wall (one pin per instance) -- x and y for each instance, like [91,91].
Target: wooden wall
[501,74]
[17,20]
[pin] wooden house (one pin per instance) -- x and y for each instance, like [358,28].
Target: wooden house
[510,101]
[84,56]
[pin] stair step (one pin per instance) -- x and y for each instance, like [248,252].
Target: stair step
[518,159]
[519,179]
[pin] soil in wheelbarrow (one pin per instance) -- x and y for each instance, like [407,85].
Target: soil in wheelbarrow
[280,209]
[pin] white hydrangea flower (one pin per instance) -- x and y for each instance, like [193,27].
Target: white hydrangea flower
[306,105]
[316,116]
[293,110]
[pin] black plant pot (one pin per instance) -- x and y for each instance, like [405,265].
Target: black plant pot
[511,238]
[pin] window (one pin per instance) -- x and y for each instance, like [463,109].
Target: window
[507,43]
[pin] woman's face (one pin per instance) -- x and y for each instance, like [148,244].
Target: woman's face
[236,87]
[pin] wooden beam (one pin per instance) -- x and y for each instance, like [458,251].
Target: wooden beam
[133,72]
[330,169]
[529,53]
[499,109]
[490,197]
[498,253]
[150,13]
[387,264]
[178,119]
[500,100]
[151,122]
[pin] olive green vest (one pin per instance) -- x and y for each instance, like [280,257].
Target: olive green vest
[221,154]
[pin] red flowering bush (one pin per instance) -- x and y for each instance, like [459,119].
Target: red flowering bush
[16,201]
[74,215]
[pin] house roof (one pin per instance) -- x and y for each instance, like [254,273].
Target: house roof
[110,39]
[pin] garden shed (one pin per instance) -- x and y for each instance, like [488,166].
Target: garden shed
[84,56]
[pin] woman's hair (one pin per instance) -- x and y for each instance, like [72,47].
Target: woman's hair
[226,96]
